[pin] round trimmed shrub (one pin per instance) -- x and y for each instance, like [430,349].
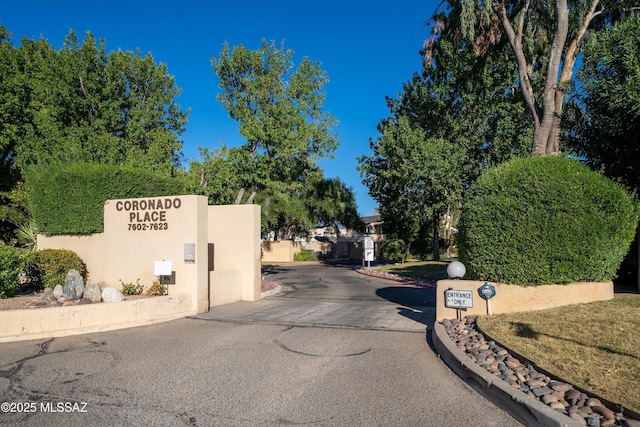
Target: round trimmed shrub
[545,220]
[49,267]
[394,250]
[12,263]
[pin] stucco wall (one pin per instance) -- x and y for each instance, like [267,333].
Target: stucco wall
[513,298]
[234,231]
[322,249]
[214,253]
[137,235]
[280,251]
[196,238]
[18,325]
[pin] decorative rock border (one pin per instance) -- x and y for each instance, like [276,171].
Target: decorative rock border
[558,395]
[397,278]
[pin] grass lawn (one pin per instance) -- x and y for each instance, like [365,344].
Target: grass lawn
[594,346]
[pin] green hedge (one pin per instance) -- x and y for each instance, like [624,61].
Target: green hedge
[12,263]
[69,199]
[545,220]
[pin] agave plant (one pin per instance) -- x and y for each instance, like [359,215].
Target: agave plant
[27,234]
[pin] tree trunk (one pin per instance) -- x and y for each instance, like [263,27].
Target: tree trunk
[515,40]
[251,197]
[240,195]
[436,237]
[546,118]
[546,140]
[448,220]
[569,61]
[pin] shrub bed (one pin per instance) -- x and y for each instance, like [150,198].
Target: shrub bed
[12,263]
[394,250]
[545,220]
[305,256]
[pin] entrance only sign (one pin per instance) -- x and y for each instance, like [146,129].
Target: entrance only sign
[458,298]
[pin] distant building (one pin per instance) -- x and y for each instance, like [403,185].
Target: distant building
[347,243]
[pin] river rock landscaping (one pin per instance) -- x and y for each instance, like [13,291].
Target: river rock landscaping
[523,376]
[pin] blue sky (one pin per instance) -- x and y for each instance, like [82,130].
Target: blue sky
[368,49]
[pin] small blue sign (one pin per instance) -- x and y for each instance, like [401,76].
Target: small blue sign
[487,291]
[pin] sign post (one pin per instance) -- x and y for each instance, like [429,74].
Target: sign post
[368,250]
[487,292]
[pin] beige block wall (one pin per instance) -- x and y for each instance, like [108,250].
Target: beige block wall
[513,298]
[321,248]
[136,236]
[280,251]
[19,325]
[234,231]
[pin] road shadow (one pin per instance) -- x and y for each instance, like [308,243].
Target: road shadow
[417,304]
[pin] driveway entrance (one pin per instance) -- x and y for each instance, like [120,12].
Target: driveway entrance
[324,295]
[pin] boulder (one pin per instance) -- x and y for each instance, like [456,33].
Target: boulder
[112,295]
[73,285]
[58,291]
[93,292]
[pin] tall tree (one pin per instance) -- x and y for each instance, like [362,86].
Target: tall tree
[280,113]
[13,203]
[331,203]
[544,39]
[447,126]
[603,121]
[415,178]
[11,105]
[81,104]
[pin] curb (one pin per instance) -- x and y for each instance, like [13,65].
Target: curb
[520,406]
[271,292]
[395,279]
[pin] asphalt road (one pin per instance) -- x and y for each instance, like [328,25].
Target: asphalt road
[334,349]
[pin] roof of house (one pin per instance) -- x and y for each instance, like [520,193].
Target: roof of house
[371,219]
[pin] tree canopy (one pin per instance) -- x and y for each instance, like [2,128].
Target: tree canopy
[80,104]
[449,124]
[603,123]
[603,120]
[279,109]
[544,39]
